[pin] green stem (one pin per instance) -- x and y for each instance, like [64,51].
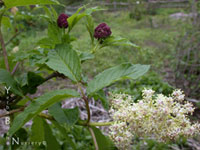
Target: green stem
[85,98]
[95,48]
[100,123]
[3,46]
[84,123]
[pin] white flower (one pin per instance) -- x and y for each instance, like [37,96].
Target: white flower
[15,49]
[178,95]
[155,116]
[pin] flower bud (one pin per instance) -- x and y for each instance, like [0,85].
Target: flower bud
[14,10]
[62,21]
[102,31]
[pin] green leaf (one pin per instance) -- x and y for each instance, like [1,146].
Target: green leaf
[66,61]
[72,21]
[13,3]
[68,116]
[37,130]
[101,96]
[54,33]
[115,41]
[46,42]
[90,27]
[54,13]
[86,56]
[7,79]
[6,22]
[33,81]
[139,70]
[64,134]
[72,115]
[57,112]
[102,141]
[22,136]
[52,143]
[51,13]
[2,141]
[40,104]
[111,75]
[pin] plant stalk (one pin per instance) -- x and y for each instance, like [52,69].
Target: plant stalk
[12,112]
[85,98]
[94,138]
[4,50]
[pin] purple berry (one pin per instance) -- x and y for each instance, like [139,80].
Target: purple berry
[62,21]
[102,31]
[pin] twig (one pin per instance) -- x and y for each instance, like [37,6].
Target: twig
[12,112]
[54,74]
[15,68]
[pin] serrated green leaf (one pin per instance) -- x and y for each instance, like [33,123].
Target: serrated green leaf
[116,41]
[102,141]
[40,104]
[68,116]
[37,130]
[52,143]
[111,75]
[13,3]
[54,33]
[7,79]
[66,61]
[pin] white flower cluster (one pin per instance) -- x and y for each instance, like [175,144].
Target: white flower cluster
[155,116]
